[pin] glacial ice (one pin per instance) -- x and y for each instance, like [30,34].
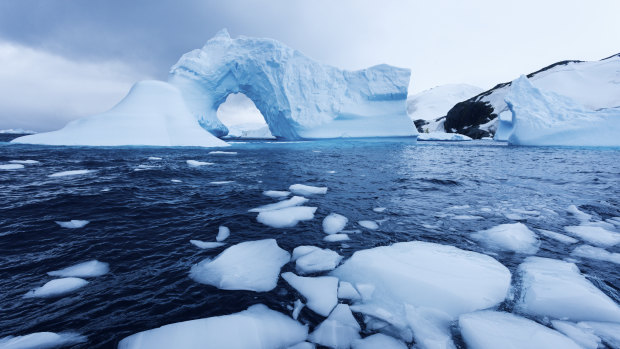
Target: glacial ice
[372,225]
[292,202]
[298,97]
[509,237]
[545,118]
[70,173]
[594,235]
[222,233]
[557,289]
[286,217]
[276,193]
[336,237]
[338,331]
[250,265]
[10,167]
[317,260]
[57,288]
[196,163]
[41,340]
[492,330]
[334,223]
[153,113]
[92,268]
[206,245]
[256,327]
[320,292]
[557,236]
[73,224]
[597,253]
[582,336]
[306,190]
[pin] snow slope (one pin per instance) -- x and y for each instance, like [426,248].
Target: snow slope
[298,97]
[153,113]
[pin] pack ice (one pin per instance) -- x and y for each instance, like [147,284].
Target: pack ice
[298,96]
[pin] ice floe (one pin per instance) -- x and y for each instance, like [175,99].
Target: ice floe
[336,237]
[306,190]
[379,209]
[196,163]
[41,340]
[509,237]
[206,245]
[250,265]
[57,288]
[591,252]
[557,236]
[294,201]
[378,340]
[286,217]
[70,173]
[557,289]
[338,331]
[372,225]
[320,292]
[609,332]
[582,336]
[334,223]
[595,235]
[465,217]
[92,268]
[11,167]
[431,327]
[492,330]
[317,260]
[154,158]
[580,215]
[221,182]
[176,181]
[303,345]
[300,251]
[24,162]
[222,233]
[256,327]
[347,291]
[73,224]
[276,193]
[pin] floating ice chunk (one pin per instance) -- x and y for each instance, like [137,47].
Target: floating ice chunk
[73,224]
[431,327]
[372,225]
[379,209]
[70,173]
[551,287]
[557,236]
[378,340]
[196,163]
[57,288]
[609,332]
[347,291]
[206,245]
[580,215]
[586,251]
[334,223]
[331,172]
[306,190]
[320,292]
[83,270]
[24,162]
[222,233]
[336,237]
[41,340]
[219,152]
[338,331]
[276,193]
[286,217]
[585,338]
[303,345]
[250,265]
[464,217]
[11,167]
[514,216]
[426,275]
[221,182]
[154,158]
[176,181]
[299,305]
[509,237]
[492,330]
[318,260]
[256,327]
[300,251]
[292,202]
[594,235]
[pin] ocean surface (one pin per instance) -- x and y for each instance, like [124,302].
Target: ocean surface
[141,222]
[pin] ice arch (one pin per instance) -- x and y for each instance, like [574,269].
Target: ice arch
[299,97]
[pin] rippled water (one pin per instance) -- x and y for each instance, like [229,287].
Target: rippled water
[142,225]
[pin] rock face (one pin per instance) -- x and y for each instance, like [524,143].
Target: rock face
[299,97]
[591,84]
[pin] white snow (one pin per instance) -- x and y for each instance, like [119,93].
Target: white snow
[286,217]
[219,152]
[557,289]
[557,236]
[70,173]
[41,340]
[336,237]
[297,96]
[306,190]
[276,193]
[57,288]
[73,224]
[83,270]
[378,340]
[24,162]
[595,235]
[492,330]
[256,327]
[347,291]
[317,260]
[294,201]
[597,253]
[443,136]
[582,336]
[248,130]
[509,237]
[11,167]
[206,245]
[436,102]
[334,223]
[372,225]
[250,265]
[320,292]
[196,163]
[338,331]
[222,233]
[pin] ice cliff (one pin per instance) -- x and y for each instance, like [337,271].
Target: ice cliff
[299,97]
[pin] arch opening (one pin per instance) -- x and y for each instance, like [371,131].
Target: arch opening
[242,118]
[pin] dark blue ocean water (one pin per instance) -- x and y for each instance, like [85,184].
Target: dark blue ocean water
[143,224]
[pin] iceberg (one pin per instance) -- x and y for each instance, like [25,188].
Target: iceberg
[57,288]
[298,97]
[41,340]
[92,268]
[320,292]
[152,114]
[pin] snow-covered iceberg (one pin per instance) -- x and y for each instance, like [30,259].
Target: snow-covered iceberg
[298,96]
[542,117]
[153,114]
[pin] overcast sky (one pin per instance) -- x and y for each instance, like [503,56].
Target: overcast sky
[63,59]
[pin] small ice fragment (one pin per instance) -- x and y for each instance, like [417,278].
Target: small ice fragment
[372,225]
[580,215]
[154,158]
[347,291]
[41,340]
[24,162]
[286,217]
[334,223]
[595,235]
[221,182]
[509,237]
[318,260]
[336,237]
[378,340]
[57,287]
[591,252]
[557,236]
[306,190]
[294,201]
[276,193]
[514,217]
[320,292]
[92,268]
[379,209]
[222,234]
[73,224]
[300,251]
[431,327]
[303,345]
[299,305]
[464,217]
[219,152]
[338,331]
[582,336]
[176,181]
[196,163]
[70,173]
[331,172]
[205,245]
[11,167]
